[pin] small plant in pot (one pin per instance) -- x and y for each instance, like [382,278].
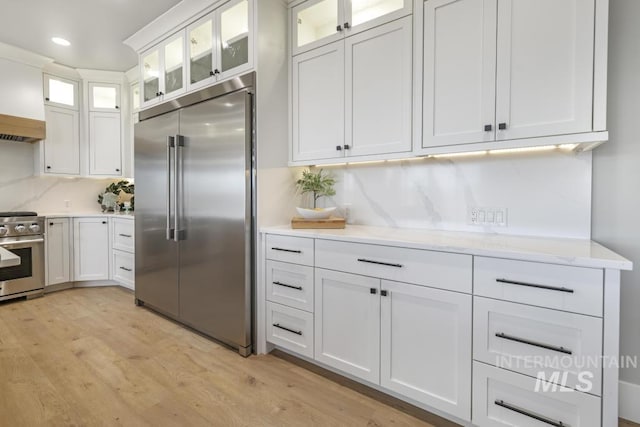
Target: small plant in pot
[318,184]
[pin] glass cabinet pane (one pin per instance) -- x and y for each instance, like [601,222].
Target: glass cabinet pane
[151,75]
[317,21]
[104,97]
[61,92]
[367,10]
[234,36]
[201,51]
[173,62]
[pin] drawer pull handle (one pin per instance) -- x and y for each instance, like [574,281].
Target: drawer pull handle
[533,343]
[125,235]
[286,250]
[526,413]
[388,264]
[299,288]
[533,285]
[277,325]
[126,269]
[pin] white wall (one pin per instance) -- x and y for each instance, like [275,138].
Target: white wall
[616,171]
[21,90]
[546,194]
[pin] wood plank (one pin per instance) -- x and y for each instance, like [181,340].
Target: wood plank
[328,223]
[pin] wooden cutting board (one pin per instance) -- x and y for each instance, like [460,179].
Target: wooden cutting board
[332,222]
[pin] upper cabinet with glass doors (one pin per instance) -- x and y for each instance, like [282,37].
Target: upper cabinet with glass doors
[319,22]
[60,92]
[104,97]
[163,71]
[219,45]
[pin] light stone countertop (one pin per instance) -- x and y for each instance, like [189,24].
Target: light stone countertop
[574,252]
[87,214]
[8,259]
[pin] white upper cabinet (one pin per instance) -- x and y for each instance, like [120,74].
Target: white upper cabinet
[60,92]
[318,22]
[61,148]
[104,97]
[379,70]
[163,70]
[459,71]
[545,67]
[220,44]
[318,106]
[497,70]
[105,146]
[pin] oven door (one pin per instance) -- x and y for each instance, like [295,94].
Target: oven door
[26,277]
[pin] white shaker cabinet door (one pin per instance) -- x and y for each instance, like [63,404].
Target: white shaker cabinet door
[91,248]
[544,68]
[58,251]
[426,346]
[459,72]
[105,144]
[379,89]
[347,323]
[318,103]
[62,145]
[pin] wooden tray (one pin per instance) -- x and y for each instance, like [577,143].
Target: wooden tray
[332,222]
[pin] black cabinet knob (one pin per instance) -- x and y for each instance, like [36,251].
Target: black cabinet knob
[46,99]
[488,128]
[117,108]
[347,25]
[373,291]
[48,167]
[104,222]
[347,147]
[383,293]
[339,147]
[216,71]
[51,224]
[160,93]
[502,126]
[339,28]
[117,170]
[211,73]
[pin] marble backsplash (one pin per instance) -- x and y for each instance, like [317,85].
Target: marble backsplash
[545,193]
[21,190]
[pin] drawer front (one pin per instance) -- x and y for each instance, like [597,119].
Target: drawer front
[296,250]
[123,268]
[504,398]
[427,268]
[575,289]
[290,328]
[290,284]
[123,235]
[532,340]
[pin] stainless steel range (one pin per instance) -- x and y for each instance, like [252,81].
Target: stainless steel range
[23,234]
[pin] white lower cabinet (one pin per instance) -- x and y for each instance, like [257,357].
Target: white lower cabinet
[347,328]
[91,248]
[504,398]
[290,328]
[123,247]
[426,346]
[123,264]
[58,251]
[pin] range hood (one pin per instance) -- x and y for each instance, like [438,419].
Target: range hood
[20,129]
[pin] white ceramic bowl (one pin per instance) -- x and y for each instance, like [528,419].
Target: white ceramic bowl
[320,213]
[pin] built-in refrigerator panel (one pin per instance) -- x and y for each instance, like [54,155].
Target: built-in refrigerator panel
[215,217]
[156,255]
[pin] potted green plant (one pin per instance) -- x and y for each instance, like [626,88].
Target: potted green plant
[318,184]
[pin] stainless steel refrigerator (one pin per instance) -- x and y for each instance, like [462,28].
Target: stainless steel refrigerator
[194,204]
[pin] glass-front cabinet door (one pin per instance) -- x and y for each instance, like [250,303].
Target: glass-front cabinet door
[201,65]
[316,23]
[365,14]
[104,97]
[173,66]
[60,92]
[150,72]
[235,44]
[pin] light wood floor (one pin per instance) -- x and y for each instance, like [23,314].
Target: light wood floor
[87,357]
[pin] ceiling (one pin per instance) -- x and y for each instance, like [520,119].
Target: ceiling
[95,28]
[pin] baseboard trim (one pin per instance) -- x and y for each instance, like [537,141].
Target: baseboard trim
[629,398]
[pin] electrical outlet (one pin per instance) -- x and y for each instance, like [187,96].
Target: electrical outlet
[496,217]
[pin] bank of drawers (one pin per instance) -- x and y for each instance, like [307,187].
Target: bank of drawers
[123,251]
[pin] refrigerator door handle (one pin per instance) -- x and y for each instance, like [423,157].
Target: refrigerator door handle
[171,143]
[177,195]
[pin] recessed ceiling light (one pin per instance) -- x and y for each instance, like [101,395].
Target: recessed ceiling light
[60,41]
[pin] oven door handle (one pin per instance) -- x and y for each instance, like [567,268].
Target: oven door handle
[22,242]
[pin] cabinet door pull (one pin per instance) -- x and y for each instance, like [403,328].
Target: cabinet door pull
[347,147]
[388,264]
[339,147]
[488,128]
[286,250]
[216,71]
[534,285]
[373,291]
[117,108]
[533,343]
[277,325]
[124,235]
[347,25]
[339,28]
[299,288]
[529,414]
[384,293]
[51,224]
[126,269]
[104,222]
[502,126]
